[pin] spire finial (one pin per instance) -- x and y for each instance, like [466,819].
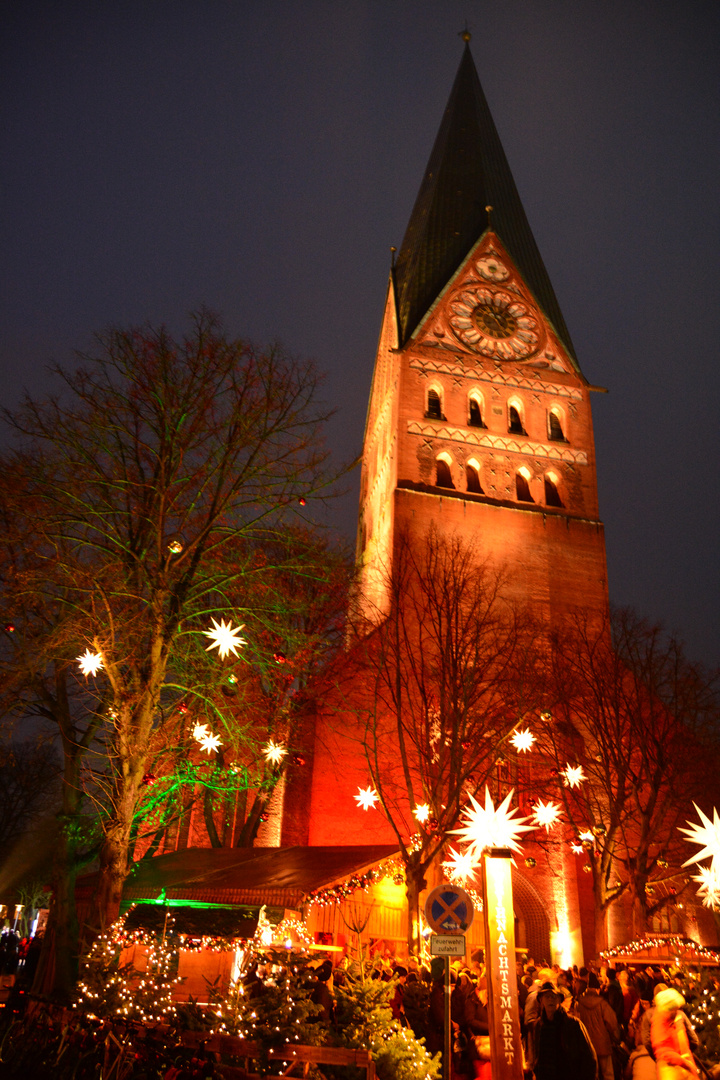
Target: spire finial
[392,256]
[465,34]
[489,210]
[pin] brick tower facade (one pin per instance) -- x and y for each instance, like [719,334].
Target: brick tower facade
[479,419]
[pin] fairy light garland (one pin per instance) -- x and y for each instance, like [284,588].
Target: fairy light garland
[335,894]
[674,943]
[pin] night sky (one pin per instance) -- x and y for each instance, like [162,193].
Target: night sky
[260,158]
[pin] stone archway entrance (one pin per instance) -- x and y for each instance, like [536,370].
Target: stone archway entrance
[532,927]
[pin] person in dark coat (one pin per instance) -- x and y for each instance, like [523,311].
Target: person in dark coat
[321,992]
[601,1024]
[562,1049]
[613,994]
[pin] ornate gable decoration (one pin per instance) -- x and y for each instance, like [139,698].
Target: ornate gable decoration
[487,311]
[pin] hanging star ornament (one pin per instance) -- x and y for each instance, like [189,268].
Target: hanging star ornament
[224,638]
[707,835]
[90,662]
[422,812]
[274,752]
[708,879]
[200,732]
[546,814]
[490,826]
[366,798]
[523,740]
[210,743]
[460,866]
[573,775]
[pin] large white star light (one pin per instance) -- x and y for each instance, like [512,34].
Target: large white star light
[225,638]
[491,827]
[709,881]
[460,866]
[274,752]
[522,740]
[546,814]
[90,662]
[573,775]
[208,741]
[422,812]
[366,798]
[707,835]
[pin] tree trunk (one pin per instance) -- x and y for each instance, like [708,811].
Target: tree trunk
[114,853]
[601,930]
[414,884]
[57,969]
[639,915]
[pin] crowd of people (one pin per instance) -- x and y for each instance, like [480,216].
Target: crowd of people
[576,1024]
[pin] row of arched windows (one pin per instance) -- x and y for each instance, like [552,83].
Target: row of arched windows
[475,414]
[473,484]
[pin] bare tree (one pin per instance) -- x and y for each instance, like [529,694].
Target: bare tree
[149,485]
[629,709]
[444,679]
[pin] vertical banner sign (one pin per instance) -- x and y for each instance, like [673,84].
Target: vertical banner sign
[503,1010]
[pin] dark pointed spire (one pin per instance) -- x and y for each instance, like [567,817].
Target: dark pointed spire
[467,174]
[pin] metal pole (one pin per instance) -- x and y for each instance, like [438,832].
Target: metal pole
[447,1056]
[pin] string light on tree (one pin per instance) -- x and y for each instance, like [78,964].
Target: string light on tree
[492,827]
[523,740]
[225,638]
[274,752]
[90,662]
[573,775]
[366,798]
[546,814]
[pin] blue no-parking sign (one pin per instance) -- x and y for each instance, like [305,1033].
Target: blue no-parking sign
[449,910]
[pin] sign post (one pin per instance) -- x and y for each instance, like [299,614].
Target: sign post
[503,1010]
[449,913]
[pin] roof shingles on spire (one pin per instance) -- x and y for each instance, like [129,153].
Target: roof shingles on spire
[467,172]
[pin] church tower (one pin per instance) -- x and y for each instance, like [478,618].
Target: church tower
[479,420]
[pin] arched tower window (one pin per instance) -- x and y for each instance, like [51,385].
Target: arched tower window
[522,486]
[552,495]
[475,418]
[443,476]
[515,424]
[555,426]
[434,406]
[472,477]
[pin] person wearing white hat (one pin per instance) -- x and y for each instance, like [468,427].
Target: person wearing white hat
[669,1038]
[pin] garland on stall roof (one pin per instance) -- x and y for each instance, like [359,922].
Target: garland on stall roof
[673,942]
[335,894]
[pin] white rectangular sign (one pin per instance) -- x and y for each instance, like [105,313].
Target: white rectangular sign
[447,945]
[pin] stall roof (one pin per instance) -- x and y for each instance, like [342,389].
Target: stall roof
[278,876]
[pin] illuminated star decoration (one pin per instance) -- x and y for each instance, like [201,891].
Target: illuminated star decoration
[224,638]
[366,798]
[460,866]
[546,814]
[573,775]
[274,752]
[577,849]
[522,740]
[707,835]
[587,835]
[709,881]
[90,662]
[422,812]
[489,827]
[205,737]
